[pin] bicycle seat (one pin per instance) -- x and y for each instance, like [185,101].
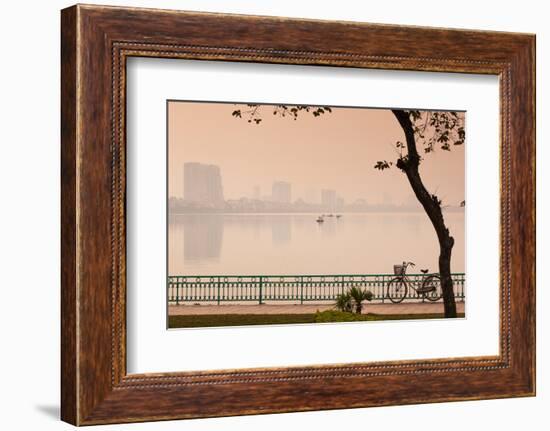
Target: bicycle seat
[424,271]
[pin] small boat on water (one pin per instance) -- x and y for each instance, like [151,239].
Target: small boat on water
[320,219]
[338,215]
[330,215]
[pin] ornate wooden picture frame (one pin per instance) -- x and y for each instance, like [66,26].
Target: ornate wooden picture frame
[96,42]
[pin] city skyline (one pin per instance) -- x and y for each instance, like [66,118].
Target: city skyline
[203,188]
[203,184]
[335,152]
[320,195]
[281,191]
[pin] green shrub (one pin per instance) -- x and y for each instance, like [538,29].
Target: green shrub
[344,302]
[353,299]
[358,296]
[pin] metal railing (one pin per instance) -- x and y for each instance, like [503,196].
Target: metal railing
[297,288]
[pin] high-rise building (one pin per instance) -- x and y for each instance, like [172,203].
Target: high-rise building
[311,196]
[328,199]
[202,184]
[281,192]
[256,193]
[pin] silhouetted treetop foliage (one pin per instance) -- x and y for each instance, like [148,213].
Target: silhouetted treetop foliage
[432,130]
[253,112]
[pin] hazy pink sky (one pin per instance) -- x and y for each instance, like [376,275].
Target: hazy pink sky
[334,151]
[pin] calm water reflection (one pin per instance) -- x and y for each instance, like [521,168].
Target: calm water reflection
[210,244]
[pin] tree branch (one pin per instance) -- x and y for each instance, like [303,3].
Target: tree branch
[412,159]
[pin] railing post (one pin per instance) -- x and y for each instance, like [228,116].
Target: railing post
[219,286]
[260,293]
[301,289]
[177,291]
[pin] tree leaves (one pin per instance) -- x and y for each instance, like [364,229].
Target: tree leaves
[434,129]
[254,111]
[415,115]
[383,164]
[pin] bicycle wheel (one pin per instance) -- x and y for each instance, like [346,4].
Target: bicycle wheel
[432,288]
[397,290]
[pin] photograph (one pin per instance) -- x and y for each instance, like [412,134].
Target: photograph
[275,215]
[306,214]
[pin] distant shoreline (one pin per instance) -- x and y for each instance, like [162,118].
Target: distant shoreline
[316,213]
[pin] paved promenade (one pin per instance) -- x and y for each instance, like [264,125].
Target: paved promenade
[403,308]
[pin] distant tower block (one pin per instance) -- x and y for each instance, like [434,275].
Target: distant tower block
[328,199]
[312,196]
[281,192]
[256,193]
[202,184]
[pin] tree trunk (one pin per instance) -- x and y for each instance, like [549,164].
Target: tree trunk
[432,206]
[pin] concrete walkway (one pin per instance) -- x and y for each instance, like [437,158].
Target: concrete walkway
[403,308]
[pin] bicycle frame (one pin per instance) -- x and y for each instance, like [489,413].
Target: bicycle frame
[419,286]
[414,284]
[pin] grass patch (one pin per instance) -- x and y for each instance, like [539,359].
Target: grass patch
[210,320]
[340,316]
[198,321]
[411,316]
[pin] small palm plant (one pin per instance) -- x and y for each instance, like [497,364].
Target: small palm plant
[344,302]
[359,296]
[353,298]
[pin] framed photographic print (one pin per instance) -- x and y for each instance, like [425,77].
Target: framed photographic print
[315,246]
[325,214]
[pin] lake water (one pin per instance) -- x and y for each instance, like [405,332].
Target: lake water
[273,244]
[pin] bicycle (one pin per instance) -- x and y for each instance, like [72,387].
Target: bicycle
[429,286]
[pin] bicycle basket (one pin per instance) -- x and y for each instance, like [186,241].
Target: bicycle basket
[398,269]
